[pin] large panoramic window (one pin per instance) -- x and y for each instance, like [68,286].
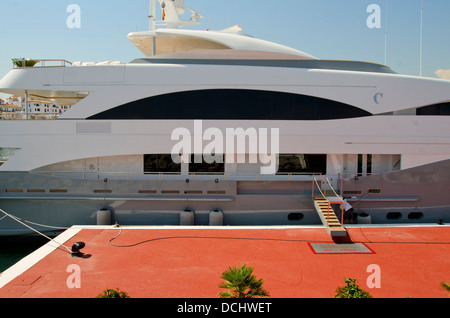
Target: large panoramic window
[232,104]
[434,110]
[302,164]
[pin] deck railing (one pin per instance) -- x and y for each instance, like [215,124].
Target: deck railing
[244,176]
[315,185]
[22,63]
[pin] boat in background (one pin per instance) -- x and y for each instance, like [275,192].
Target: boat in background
[356,141]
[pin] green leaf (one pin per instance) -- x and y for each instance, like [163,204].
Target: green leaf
[241,283]
[112,293]
[351,290]
[21,62]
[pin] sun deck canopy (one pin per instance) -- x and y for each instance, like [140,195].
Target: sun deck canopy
[164,41]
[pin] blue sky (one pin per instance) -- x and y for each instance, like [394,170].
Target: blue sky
[327,29]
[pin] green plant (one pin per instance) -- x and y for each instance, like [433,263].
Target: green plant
[446,286]
[351,290]
[24,62]
[241,283]
[112,293]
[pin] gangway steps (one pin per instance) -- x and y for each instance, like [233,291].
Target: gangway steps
[323,199]
[328,217]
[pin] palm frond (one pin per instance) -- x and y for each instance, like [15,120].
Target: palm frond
[241,283]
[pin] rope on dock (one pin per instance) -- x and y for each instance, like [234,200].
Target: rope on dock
[15,218]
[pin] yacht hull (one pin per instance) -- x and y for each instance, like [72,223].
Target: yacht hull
[415,195]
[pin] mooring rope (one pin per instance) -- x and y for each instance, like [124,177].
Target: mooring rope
[15,218]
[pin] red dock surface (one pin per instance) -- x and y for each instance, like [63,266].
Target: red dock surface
[188,262]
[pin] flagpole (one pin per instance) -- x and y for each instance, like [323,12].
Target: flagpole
[386,35]
[152,15]
[421,39]
[152,22]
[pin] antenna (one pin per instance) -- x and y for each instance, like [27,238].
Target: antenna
[172,10]
[152,22]
[386,35]
[229,12]
[152,15]
[195,15]
[421,38]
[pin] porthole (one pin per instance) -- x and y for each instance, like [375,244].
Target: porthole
[295,216]
[393,215]
[415,215]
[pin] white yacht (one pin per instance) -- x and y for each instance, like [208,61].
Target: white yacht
[348,136]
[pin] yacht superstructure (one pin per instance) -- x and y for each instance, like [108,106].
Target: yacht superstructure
[342,132]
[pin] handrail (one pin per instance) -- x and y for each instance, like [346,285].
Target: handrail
[332,189]
[318,187]
[116,175]
[324,196]
[42,62]
[339,196]
[327,181]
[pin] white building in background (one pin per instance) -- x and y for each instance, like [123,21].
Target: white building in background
[9,110]
[37,108]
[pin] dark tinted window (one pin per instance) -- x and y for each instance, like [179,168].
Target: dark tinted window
[233,104]
[301,163]
[435,110]
[160,164]
[199,165]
